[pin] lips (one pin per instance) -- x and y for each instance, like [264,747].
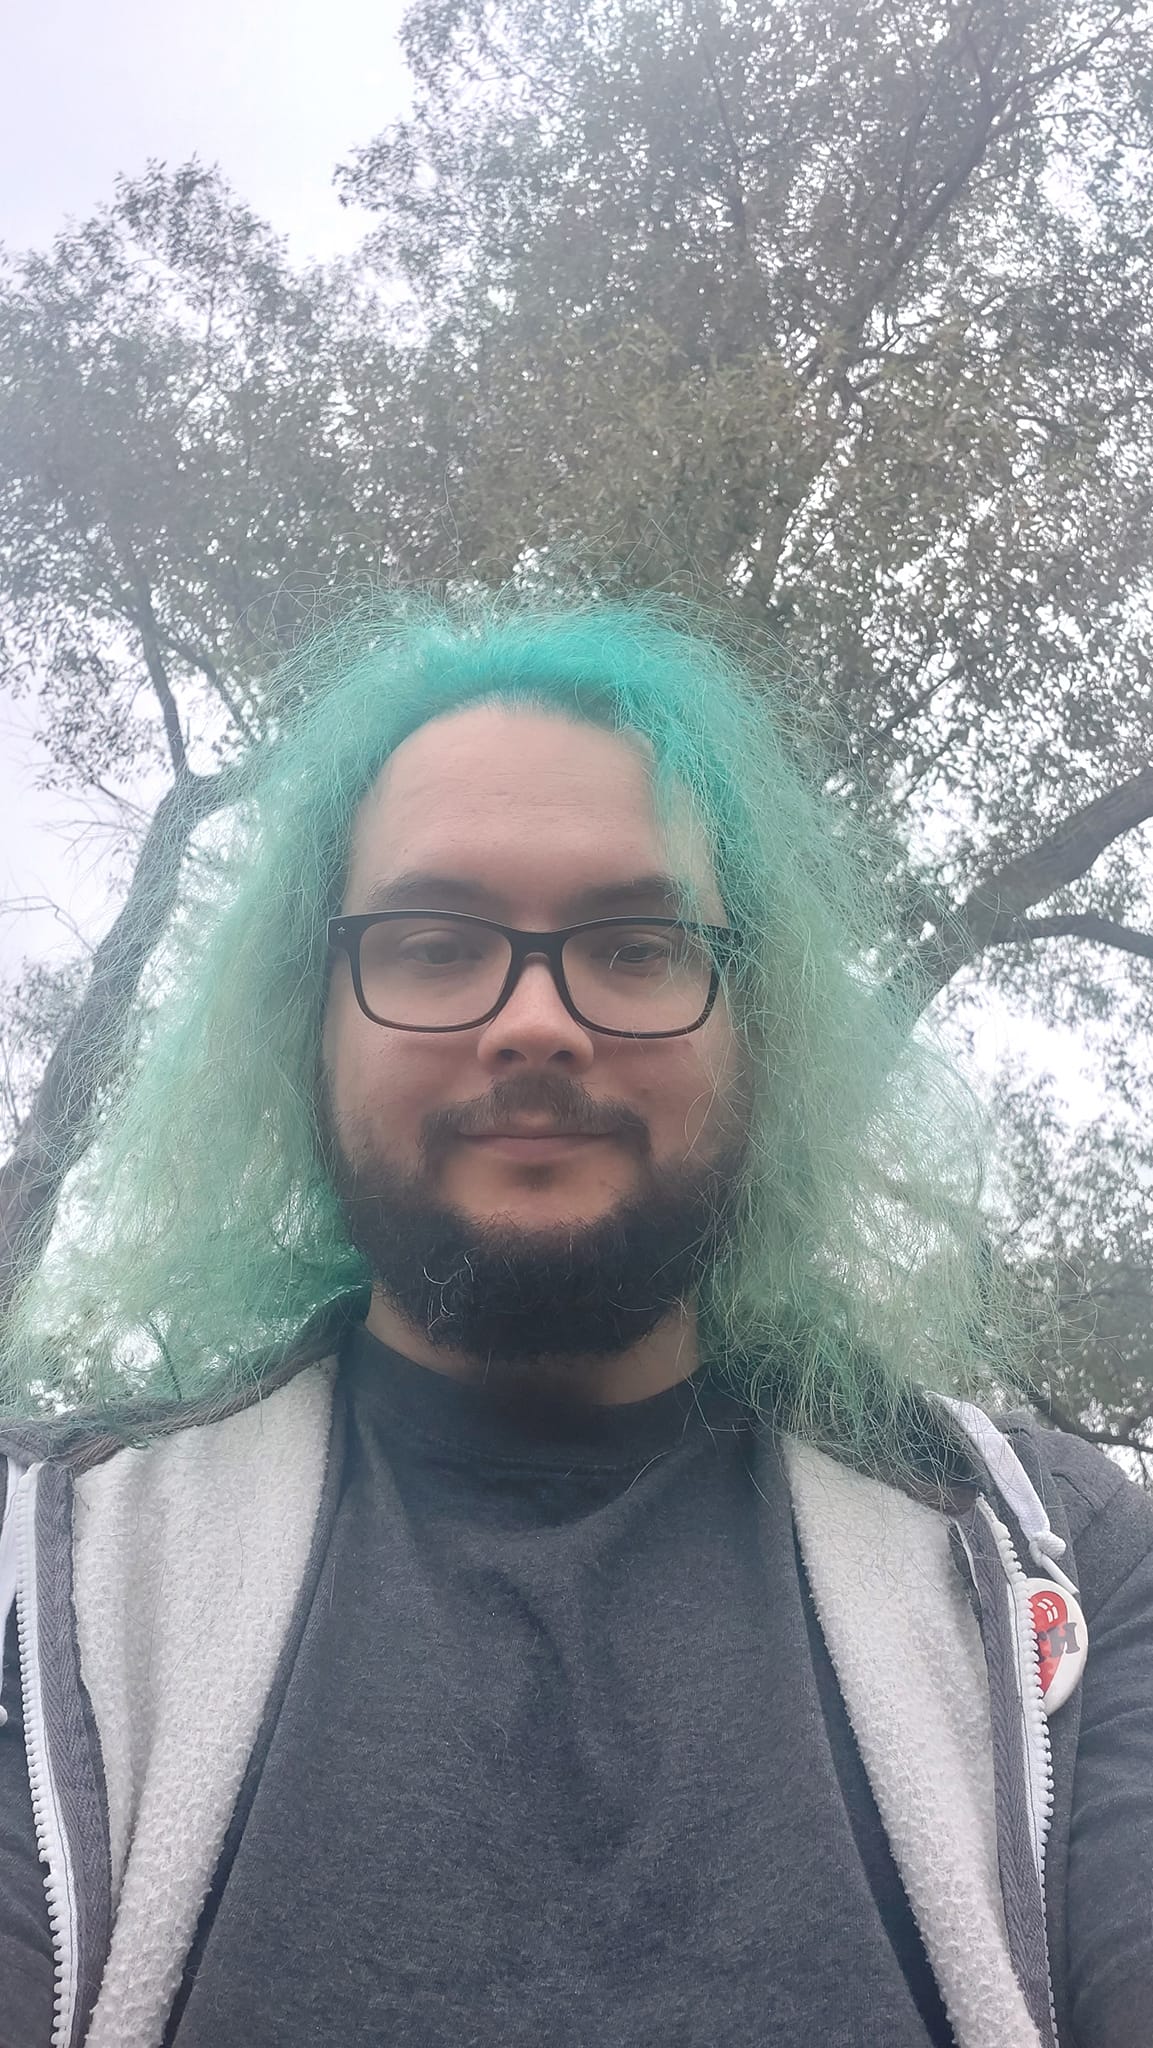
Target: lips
[536,1134]
[534,1131]
[535,1138]
[537,1144]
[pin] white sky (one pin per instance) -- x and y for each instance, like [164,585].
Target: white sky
[276,91]
[277,94]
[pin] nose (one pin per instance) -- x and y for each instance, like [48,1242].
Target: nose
[534,1028]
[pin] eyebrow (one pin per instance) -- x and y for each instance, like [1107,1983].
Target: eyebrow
[422,889]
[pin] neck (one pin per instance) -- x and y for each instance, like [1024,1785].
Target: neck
[669,1354]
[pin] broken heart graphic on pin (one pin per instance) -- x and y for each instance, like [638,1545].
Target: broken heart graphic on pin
[1062,1640]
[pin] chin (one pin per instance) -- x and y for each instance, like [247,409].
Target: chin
[532,1217]
[540,1200]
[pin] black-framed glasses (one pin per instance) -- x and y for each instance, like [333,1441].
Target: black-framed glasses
[444,970]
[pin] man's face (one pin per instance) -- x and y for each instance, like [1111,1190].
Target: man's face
[538,822]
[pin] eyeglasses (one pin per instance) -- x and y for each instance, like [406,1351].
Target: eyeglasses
[439,970]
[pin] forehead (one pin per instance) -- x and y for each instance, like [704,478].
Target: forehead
[519,799]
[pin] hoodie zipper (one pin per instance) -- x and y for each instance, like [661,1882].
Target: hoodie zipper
[1037,1745]
[51,1837]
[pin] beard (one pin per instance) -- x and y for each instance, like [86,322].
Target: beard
[513,1297]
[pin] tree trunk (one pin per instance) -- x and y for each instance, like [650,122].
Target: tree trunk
[59,1125]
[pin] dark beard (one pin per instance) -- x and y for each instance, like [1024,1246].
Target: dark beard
[520,1297]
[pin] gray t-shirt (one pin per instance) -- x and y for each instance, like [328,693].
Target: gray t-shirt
[552,1764]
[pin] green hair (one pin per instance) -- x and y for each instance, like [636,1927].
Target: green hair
[199,1234]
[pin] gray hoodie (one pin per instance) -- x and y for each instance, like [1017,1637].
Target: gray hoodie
[143,1699]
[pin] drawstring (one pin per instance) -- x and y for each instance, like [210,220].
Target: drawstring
[1016,1488]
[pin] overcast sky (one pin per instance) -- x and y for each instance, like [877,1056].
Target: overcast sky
[278,92]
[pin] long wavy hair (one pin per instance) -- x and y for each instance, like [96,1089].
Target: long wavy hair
[199,1235]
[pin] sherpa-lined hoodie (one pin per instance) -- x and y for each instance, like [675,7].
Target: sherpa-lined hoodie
[157,1588]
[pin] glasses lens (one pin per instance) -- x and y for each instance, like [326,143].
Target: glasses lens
[638,977]
[428,971]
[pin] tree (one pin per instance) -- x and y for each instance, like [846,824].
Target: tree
[842,314]
[789,304]
[179,472]
[845,312]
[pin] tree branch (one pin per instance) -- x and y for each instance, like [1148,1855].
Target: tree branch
[1099,931]
[1055,1411]
[88,1054]
[196,658]
[994,912]
[144,618]
[738,214]
[999,112]
[879,736]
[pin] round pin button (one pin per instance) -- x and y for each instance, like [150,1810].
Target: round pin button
[1062,1640]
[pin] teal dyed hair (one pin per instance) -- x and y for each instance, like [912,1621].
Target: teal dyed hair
[199,1234]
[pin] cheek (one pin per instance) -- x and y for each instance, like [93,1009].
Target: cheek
[696,1091]
[377,1081]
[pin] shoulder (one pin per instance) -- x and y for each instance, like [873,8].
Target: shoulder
[161,1431]
[1110,1517]
[81,1438]
[269,1434]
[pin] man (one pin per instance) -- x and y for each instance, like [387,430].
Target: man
[589,1628]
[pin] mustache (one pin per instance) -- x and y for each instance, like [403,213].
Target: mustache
[551,1095]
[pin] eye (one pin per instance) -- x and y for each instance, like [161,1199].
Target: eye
[633,951]
[639,953]
[437,949]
